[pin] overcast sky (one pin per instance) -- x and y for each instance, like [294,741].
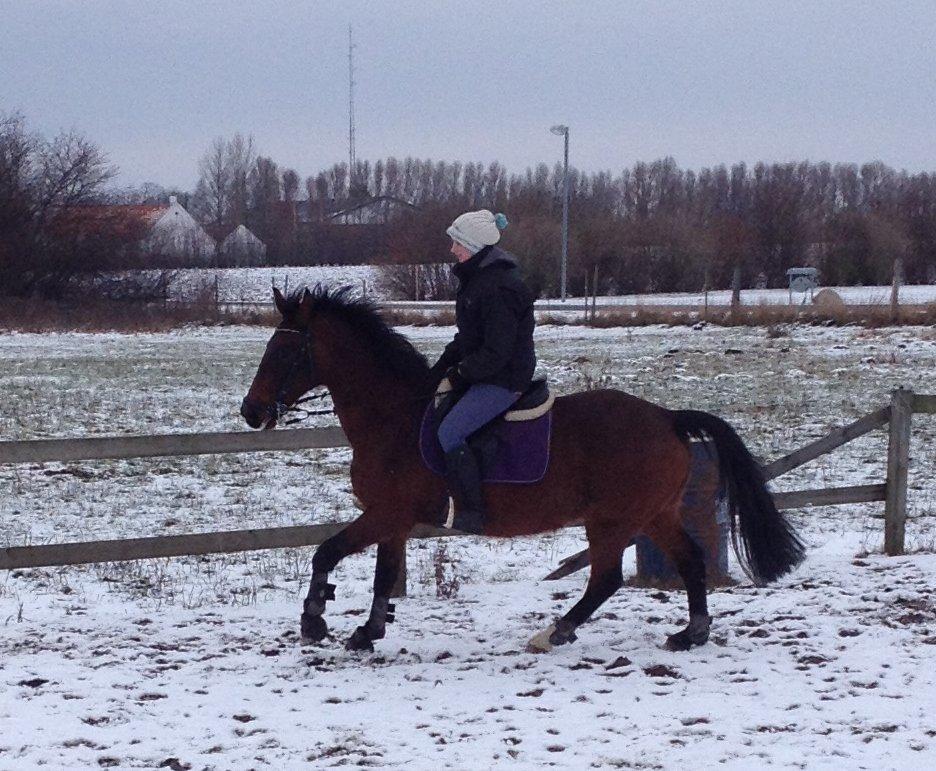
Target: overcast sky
[706,82]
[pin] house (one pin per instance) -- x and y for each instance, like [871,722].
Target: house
[378,230]
[242,249]
[380,210]
[174,233]
[163,233]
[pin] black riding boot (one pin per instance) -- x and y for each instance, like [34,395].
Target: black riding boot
[463,476]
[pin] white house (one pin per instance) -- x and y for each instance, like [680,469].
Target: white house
[177,234]
[243,249]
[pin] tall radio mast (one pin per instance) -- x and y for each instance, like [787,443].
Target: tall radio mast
[351,157]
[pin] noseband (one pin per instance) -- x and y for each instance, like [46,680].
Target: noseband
[280,408]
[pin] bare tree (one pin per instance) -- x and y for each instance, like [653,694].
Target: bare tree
[41,184]
[212,199]
[290,185]
[222,194]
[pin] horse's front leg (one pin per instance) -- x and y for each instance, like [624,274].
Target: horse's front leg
[389,559]
[360,534]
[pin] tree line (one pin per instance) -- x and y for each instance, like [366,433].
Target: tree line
[650,227]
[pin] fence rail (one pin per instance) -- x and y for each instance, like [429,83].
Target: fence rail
[580,305]
[894,492]
[169,445]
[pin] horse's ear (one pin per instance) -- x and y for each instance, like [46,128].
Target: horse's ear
[279,300]
[306,298]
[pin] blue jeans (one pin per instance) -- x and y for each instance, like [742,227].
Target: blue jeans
[480,405]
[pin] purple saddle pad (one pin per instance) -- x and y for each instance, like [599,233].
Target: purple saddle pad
[521,456]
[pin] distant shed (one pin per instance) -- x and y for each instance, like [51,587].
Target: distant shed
[242,249]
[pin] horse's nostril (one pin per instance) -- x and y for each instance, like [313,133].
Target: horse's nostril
[250,413]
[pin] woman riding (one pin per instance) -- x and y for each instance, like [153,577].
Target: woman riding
[491,358]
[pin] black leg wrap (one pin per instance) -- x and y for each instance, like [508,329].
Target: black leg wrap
[374,629]
[312,626]
[563,633]
[320,592]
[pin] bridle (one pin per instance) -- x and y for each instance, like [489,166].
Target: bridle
[304,353]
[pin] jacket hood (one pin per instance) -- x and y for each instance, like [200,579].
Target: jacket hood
[496,254]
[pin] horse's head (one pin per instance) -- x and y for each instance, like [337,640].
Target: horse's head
[287,369]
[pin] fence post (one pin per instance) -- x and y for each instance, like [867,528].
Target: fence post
[895,289]
[736,288]
[399,588]
[898,460]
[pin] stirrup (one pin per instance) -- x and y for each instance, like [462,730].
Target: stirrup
[457,520]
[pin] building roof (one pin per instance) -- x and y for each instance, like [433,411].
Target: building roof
[112,218]
[242,236]
[374,211]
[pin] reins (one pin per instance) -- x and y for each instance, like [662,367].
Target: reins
[305,413]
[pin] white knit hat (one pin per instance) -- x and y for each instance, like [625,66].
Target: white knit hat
[476,229]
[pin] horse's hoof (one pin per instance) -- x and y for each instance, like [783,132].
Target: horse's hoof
[540,643]
[313,629]
[559,633]
[679,641]
[696,633]
[359,641]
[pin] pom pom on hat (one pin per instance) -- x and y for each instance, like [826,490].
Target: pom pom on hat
[476,229]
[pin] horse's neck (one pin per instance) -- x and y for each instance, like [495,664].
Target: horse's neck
[382,414]
[373,406]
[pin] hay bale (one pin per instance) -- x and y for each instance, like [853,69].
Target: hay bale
[828,299]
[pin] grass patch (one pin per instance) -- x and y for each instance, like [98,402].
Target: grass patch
[104,315]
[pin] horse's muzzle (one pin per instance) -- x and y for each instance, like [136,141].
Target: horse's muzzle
[258,415]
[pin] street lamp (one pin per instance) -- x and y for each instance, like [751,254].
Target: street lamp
[563,131]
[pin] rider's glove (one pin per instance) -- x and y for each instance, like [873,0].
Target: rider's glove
[457,380]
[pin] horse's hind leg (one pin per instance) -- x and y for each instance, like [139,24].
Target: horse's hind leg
[605,551]
[389,559]
[689,559]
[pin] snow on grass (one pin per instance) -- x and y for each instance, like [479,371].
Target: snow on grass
[253,285]
[193,662]
[911,294]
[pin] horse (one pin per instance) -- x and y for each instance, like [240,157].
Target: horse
[618,464]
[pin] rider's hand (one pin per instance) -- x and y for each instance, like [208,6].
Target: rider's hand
[456,379]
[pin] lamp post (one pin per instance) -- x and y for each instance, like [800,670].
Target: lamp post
[563,131]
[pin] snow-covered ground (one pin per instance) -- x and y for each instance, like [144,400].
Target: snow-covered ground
[194,662]
[912,294]
[253,285]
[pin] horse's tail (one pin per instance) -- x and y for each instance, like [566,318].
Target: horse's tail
[764,542]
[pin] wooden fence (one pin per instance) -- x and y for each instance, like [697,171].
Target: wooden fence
[894,491]
[590,307]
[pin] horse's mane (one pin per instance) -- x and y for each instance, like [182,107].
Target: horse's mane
[391,351]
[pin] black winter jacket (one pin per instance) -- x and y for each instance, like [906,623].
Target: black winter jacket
[494,314]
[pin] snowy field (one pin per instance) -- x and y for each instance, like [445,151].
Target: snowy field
[253,285]
[194,663]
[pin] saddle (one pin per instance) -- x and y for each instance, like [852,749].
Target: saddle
[533,403]
[513,448]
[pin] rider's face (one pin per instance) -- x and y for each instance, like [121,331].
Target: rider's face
[460,251]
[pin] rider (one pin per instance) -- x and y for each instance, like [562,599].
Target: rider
[491,357]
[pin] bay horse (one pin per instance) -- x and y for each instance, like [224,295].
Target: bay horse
[618,463]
